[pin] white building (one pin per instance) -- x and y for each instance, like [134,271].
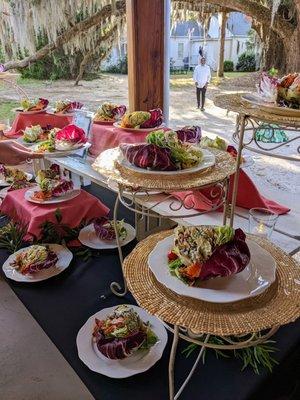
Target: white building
[186,38]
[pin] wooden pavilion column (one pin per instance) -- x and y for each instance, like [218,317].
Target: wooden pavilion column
[220,72]
[147,61]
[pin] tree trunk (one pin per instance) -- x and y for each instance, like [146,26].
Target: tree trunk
[220,72]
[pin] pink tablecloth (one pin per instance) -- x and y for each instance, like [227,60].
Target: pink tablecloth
[23,120]
[107,136]
[84,206]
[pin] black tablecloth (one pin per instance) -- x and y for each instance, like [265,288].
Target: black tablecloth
[62,304]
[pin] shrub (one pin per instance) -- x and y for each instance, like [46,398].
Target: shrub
[246,62]
[228,66]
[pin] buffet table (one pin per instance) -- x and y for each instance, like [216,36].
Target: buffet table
[77,292]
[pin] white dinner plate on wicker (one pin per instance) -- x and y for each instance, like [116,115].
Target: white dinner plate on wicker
[61,153]
[208,161]
[257,101]
[53,200]
[114,186]
[138,362]
[3,182]
[64,258]
[252,281]
[88,237]
[118,125]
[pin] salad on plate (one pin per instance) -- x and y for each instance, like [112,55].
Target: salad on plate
[67,106]
[53,173]
[204,252]
[34,105]
[104,229]
[122,333]
[68,138]
[109,112]
[34,259]
[51,188]
[12,175]
[36,133]
[142,119]
[164,151]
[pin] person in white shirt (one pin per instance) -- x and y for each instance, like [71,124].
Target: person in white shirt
[201,78]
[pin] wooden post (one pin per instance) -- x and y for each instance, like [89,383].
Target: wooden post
[145,46]
[220,72]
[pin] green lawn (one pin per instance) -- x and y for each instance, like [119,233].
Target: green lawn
[178,81]
[6,112]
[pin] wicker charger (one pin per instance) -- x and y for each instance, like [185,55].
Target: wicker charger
[107,164]
[278,305]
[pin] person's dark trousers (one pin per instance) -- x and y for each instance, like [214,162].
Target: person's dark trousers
[201,91]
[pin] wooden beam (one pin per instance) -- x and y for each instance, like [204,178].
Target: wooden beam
[220,72]
[145,48]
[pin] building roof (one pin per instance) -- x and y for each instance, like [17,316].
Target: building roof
[183,28]
[238,24]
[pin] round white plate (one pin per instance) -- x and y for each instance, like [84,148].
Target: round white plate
[139,362]
[117,125]
[60,153]
[3,182]
[28,196]
[88,237]
[114,186]
[207,161]
[64,258]
[252,281]
[30,112]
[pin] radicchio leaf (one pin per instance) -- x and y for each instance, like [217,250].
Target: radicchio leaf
[71,133]
[148,156]
[118,349]
[62,188]
[155,120]
[104,232]
[189,134]
[227,259]
[40,265]
[118,112]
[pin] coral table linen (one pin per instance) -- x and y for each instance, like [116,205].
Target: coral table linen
[24,120]
[248,197]
[84,206]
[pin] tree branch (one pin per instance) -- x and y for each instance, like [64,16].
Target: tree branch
[69,34]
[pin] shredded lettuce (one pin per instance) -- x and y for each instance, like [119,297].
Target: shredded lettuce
[224,234]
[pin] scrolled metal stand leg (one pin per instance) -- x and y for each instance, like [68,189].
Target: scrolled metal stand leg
[115,287]
[237,171]
[172,362]
[193,369]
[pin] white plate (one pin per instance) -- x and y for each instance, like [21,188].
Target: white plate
[139,362]
[64,258]
[88,237]
[3,182]
[60,153]
[114,186]
[117,125]
[28,196]
[252,281]
[207,161]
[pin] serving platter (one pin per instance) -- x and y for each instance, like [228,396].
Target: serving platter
[53,200]
[64,258]
[252,281]
[60,153]
[256,100]
[207,161]
[137,363]
[4,183]
[88,237]
[117,125]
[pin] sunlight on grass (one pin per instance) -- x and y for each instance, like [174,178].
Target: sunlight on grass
[6,110]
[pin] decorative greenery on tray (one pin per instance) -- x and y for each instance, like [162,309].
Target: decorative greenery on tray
[256,357]
[12,236]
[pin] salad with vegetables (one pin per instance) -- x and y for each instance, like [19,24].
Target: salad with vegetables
[203,252]
[163,152]
[68,138]
[51,173]
[67,106]
[109,112]
[34,105]
[104,229]
[122,333]
[12,174]
[34,259]
[142,119]
[36,133]
[50,188]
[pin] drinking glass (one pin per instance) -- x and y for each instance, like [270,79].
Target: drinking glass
[262,222]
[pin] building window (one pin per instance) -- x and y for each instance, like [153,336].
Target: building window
[180,50]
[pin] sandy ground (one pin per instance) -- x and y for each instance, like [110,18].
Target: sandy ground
[214,121]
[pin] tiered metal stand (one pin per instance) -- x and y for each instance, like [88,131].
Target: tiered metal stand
[250,321]
[252,118]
